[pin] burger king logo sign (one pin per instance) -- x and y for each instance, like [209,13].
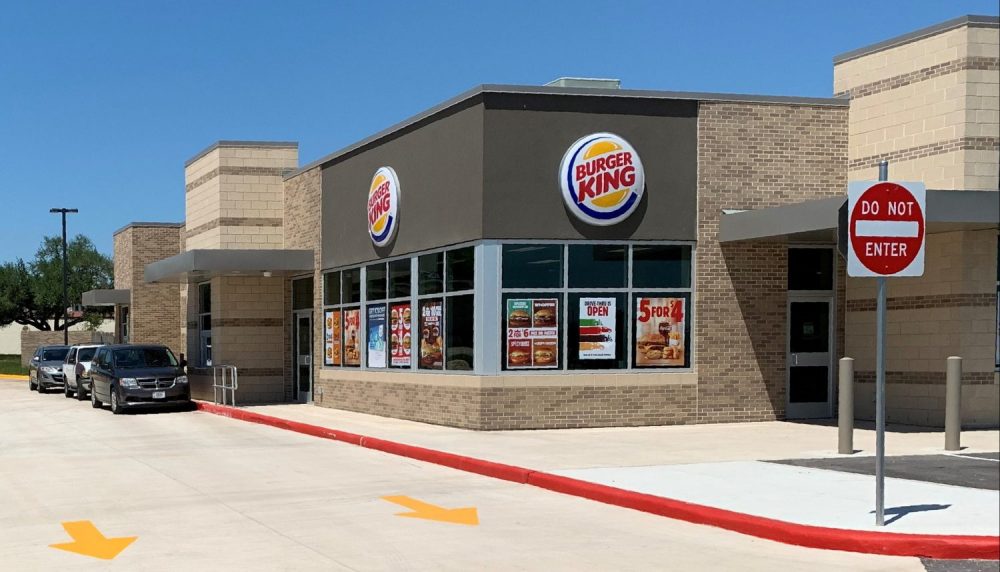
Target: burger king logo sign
[383,204]
[602,179]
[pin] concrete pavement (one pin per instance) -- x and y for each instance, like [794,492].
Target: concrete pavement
[203,492]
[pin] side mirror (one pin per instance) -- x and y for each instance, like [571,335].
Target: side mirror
[34,358]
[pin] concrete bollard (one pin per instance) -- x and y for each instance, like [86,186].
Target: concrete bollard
[845,407]
[953,405]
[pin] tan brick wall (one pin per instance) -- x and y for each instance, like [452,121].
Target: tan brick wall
[303,230]
[931,107]
[31,339]
[514,402]
[155,310]
[753,156]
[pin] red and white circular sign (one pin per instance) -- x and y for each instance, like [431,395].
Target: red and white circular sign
[886,230]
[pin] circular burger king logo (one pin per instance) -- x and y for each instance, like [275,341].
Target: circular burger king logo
[602,179]
[383,204]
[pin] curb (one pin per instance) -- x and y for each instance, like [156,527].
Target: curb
[865,541]
[8,377]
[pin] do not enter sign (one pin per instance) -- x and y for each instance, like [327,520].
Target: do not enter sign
[885,228]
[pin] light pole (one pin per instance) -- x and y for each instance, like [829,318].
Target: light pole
[65,303]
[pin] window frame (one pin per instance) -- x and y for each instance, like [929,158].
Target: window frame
[628,290]
[413,299]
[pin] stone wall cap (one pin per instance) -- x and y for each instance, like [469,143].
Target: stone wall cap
[149,225]
[970,20]
[241,145]
[475,96]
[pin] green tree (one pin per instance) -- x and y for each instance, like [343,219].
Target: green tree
[31,294]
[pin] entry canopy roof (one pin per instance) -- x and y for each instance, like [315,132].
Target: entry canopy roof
[816,221]
[198,265]
[106,297]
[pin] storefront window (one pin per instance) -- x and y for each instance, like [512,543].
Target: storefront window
[532,266]
[387,325]
[399,278]
[662,266]
[598,266]
[603,318]
[331,288]
[351,286]
[302,294]
[375,278]
[459,332]
[430,273]
[461,269]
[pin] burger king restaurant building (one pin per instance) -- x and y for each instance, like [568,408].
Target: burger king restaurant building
[548,257]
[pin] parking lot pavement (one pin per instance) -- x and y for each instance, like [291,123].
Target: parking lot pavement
[204,492]
[975,470]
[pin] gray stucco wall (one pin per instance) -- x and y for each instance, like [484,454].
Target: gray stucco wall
[490,170]
[522,197]
[440,170]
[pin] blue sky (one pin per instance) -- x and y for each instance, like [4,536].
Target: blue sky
[102,102]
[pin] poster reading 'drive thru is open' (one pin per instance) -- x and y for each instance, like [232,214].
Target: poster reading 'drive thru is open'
[532,333]
[597,328]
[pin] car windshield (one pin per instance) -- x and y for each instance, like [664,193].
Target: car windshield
[54,354]
[131,358]
[86,354]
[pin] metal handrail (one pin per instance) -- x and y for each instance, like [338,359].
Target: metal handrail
[225,378]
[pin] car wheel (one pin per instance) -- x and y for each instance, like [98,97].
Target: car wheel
[116,407]
[93,399]
[80,395]
[31,385]
[67,392]
[39,388]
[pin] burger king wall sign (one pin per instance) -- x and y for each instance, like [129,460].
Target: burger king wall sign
[383,206]
[602,179]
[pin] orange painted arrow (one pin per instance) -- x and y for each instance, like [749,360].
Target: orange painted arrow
[427,511]
[89,541]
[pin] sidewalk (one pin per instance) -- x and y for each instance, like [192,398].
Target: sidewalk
[716,466]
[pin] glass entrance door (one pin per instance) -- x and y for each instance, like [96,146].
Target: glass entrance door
[302,336]
[809,365]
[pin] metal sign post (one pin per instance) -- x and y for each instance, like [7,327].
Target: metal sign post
[883,175]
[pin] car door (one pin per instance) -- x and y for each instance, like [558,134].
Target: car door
[98,374]
[69,367]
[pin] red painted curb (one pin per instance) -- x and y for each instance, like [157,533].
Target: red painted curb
[865,541]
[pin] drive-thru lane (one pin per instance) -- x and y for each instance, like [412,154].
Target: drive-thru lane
[205,492]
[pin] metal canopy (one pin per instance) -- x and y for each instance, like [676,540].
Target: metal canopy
[105,297]
[816,220]
[197,265]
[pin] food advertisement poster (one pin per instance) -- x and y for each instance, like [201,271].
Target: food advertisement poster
[532,333]
[352,341]
[431,354]
[399,335]
[597,328]
[659,332]
[376,336]
[331,337]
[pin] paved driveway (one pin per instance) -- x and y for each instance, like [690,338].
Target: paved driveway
[204,492]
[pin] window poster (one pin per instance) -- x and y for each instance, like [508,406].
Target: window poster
[431,354]
[352,347]
[659,332]
[597,328]
[376,336]
[532,333]
[331,337]
[399,335]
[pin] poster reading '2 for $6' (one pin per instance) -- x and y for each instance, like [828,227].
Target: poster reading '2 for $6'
[532,333]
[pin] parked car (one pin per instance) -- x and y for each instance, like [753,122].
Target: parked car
[137,375]
[45,368]
[76,370]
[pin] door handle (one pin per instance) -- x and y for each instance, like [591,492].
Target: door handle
[795,359]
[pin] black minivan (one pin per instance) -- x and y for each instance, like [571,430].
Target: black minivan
[128,375]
